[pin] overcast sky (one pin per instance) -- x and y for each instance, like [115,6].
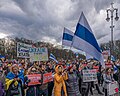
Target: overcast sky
[45,19]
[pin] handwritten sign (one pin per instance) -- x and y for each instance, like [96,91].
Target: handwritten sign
[38,54]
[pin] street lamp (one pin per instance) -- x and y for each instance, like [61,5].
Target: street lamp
[111,12]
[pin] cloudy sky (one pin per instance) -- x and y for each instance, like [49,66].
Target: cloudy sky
[45,19]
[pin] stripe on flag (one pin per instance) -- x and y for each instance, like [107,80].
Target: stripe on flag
[84,40]
[67,37]
[53,58]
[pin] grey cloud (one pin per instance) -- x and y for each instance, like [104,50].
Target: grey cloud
[41,19]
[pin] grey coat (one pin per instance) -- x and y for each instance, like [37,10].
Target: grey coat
[72,85]
[107,79]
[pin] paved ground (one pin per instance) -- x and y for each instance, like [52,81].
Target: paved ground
[96,93]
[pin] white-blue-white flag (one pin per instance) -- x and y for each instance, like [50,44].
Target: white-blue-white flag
[88,56]
[112,58]
[84,39]
[53,58]
[67,37]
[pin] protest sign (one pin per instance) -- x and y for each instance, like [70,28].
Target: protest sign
[106,54]
[23,50]
[34,79]
[38,54]
[89,75]
[47,77]
[108,65]
[113,88]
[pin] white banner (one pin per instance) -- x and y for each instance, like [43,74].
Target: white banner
[113,88]
[23,50]
[38,54]
[89,75]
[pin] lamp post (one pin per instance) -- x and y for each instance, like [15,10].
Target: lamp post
[111,18]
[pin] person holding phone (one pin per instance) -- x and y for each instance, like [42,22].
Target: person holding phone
[59,81]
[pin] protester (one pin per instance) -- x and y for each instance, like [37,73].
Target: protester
[72,83]
[33,90]
[2,83]
[44,86]
[65,78]
[108,78]
[14,82]
[50,84]
[84,86]
[59,81]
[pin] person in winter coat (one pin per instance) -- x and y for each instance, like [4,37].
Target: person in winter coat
[84,86]
[50,84]
[2,83]
[108,78]
[72,83]
[59,81]
[32,90]
[14,82]
[44,86]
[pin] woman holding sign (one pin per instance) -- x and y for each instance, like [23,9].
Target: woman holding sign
[108,78]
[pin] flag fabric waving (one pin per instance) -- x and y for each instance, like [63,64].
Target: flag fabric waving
[84,40]
[53,58]
[88,56]
[67,37]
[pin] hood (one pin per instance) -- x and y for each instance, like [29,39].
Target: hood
[56,69]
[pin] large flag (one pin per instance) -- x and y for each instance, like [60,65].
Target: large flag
[88,56]
[67,37]
[53,58]
[84,40]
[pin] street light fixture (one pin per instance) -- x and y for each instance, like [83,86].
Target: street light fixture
[111,11]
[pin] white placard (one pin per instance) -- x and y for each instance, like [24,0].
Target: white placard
[113,88]
[89,75]
[38,54]
[23,50]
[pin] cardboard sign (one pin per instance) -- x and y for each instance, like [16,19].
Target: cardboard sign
[89,75]
[38,54]
[34,79]
[113,88]
[47,77]
[23,50]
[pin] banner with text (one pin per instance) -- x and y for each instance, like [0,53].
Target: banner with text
[38,54]
[47,77]
[34,79]
[89,75]
[23,50]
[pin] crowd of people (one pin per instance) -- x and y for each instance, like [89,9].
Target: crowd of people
[67,77]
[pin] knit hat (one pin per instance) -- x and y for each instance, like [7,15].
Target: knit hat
[70,68]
